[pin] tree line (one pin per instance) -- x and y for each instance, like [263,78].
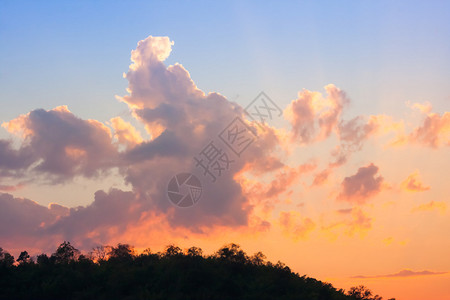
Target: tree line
[119,272]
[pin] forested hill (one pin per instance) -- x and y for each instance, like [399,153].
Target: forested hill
[119,273]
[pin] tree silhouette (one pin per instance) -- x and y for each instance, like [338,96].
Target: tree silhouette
[194,252]
[6,259]
[258,258]
[119,273]
[24,258]
[122,252]
[362,293]
[100,253]
[43,259]
[173,250]
[65,253]
[232,252]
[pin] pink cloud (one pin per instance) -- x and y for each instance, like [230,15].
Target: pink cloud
[63,145]
[321,177]
[361,186]
[23,221]
[11,188]
[314,117]
[434,132]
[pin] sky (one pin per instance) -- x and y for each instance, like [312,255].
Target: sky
[102,104]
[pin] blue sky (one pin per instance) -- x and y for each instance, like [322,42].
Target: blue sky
[75,52]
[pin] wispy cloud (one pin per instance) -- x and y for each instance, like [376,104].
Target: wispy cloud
[403,273]
[432,205]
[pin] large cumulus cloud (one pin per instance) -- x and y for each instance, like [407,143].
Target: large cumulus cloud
[180,119]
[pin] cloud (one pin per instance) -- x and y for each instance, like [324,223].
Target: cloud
[434,132]
[294,225]
[284,178]
[63,145]
[110,212]
[10,188]
[413,183]
[432,205]
[363,185]
[350,221]
[403,273]
[151,83]
[314,117]
[125,133]
[13,160]
[422,107]
[22,221]
[321,177]
[182,120]
[352,133]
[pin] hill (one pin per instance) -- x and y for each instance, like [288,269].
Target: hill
[119,273]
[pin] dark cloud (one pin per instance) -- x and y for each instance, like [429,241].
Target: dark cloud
[23,222]
[13,160]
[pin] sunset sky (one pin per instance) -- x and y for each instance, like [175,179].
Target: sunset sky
[103,103]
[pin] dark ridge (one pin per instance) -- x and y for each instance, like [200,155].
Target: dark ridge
[119,273]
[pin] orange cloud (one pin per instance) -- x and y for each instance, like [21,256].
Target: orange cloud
[125,133]
[403,273]
[432,205]
[293,224]
[321,177]
[414,184]
[351,220]
[422,107]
